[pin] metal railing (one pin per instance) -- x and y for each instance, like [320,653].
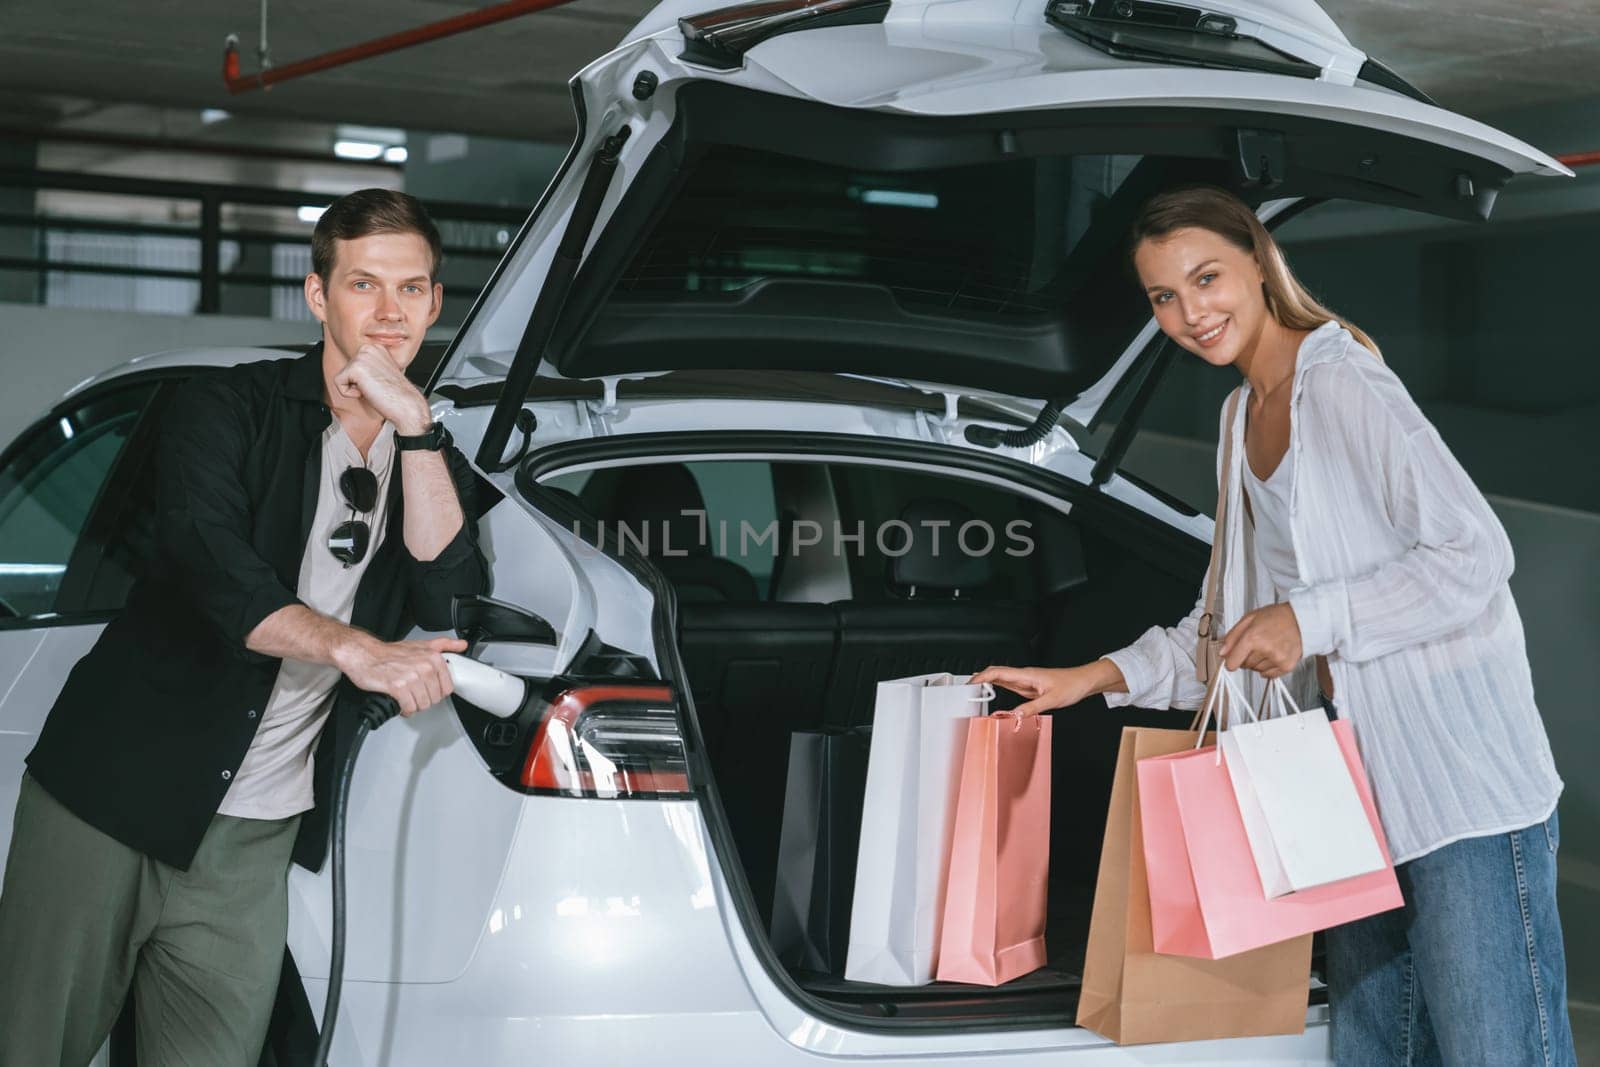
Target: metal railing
[475,235]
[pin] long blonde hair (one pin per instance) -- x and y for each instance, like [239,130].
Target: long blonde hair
[1207,207]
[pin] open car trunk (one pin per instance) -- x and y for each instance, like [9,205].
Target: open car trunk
[772,646]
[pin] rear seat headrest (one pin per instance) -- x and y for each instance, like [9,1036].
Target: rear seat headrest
[654,497]
[935,563]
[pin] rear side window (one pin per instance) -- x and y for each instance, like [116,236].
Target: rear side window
[997,528]
[992,238]
[681,514]
[738,496]
[50,484]
[804,532]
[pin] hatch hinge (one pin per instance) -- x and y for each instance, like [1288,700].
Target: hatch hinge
[1262,158]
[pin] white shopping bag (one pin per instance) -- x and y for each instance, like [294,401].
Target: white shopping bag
[1302,814]
[919,728]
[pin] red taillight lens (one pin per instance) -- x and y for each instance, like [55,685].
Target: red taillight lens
[609,741]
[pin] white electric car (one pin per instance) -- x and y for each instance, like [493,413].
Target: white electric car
[809,274]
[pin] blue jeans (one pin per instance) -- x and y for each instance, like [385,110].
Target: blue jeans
[1471,971]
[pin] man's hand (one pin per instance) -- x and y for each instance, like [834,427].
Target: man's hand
[371,375]
[1266,641]
[412,672]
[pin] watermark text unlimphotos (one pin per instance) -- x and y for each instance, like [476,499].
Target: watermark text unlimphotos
[893,538]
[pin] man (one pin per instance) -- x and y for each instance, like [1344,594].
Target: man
[309,511]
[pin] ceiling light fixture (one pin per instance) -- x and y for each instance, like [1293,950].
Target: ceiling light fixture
[899,198]
[357,149]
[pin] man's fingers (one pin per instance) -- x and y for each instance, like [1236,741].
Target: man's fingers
[446,644]
[446,684]
[432,687]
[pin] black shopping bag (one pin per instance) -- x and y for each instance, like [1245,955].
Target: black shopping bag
[821,832]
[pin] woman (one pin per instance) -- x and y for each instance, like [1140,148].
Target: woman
[1358,554]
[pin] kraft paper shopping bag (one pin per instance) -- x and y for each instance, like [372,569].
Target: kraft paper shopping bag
[1133,995]
[995,890]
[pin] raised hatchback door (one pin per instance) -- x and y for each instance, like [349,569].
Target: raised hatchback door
[956,215]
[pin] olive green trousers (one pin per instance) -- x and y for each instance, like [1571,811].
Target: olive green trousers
[84,918]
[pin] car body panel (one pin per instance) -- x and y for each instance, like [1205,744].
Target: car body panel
[1301,19]
[580,959]
[32,680]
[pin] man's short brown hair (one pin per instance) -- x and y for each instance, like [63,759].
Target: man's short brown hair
[366,212]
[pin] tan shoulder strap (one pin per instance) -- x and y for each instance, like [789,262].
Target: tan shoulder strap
[1208,619]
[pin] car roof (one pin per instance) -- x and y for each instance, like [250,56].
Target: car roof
[191,359]
[180,359]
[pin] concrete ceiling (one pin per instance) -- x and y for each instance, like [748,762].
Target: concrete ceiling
[69,63]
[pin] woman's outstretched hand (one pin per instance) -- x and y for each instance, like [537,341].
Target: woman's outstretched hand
[1048,688]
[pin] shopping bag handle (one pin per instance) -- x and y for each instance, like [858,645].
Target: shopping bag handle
[1278,703]
[1223,707]
[1018,720]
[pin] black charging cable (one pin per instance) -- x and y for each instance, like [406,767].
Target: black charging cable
[375,710]
[1038,430]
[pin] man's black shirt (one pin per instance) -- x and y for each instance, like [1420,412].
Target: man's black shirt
[154,721]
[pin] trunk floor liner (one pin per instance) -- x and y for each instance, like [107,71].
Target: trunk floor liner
[1045,979]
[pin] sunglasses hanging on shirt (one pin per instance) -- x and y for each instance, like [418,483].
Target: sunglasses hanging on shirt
[349,542]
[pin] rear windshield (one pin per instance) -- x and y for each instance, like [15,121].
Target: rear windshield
[994,238]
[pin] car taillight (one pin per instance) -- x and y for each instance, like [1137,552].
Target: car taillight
[613,741]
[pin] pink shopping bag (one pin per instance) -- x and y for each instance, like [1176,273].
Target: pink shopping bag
[1206,897]
[995,887]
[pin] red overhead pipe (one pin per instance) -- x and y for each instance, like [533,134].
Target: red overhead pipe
[433,31]
[1580,159]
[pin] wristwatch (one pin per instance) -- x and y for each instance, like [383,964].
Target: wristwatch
[434,439]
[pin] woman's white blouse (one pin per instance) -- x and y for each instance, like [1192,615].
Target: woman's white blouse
[1404,585]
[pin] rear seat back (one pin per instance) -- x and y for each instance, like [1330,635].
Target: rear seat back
[933,617]
[758,672]
[756,667]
